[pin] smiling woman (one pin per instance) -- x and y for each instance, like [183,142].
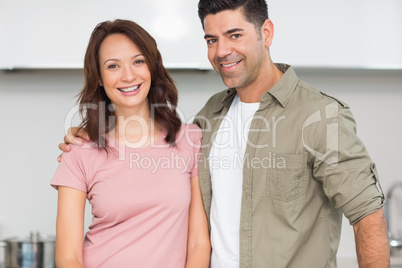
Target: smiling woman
[146,214]
[124,73]
[120,56]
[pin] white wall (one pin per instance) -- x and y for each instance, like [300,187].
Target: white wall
[358,33]
[35,103]
[66,26]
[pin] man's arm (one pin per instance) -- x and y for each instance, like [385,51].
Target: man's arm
[372,246]
[74,136]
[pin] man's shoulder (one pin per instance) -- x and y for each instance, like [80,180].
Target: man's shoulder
[311,95]
[217,98]
[213,103]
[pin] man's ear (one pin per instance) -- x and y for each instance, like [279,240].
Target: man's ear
[267,32]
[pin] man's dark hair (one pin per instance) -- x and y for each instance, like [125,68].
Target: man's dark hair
[255,11]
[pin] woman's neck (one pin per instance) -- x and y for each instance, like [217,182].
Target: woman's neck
[135,131]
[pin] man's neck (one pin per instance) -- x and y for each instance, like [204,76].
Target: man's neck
[267,79]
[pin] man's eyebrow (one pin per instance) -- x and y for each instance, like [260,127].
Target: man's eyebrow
[228,32]
[209,36]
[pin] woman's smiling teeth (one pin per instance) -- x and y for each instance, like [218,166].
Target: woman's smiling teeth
[129,89]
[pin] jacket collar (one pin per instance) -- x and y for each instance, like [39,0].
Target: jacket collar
[281,91]
[284,88]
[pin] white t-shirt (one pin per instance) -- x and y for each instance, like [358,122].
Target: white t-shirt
[226,166]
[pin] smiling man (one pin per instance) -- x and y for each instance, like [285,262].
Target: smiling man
[281,161]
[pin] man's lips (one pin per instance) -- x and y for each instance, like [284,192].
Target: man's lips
[228,65]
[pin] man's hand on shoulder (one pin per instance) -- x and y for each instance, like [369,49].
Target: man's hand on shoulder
[74,136]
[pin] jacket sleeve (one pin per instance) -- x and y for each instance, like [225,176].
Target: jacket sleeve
[348,175]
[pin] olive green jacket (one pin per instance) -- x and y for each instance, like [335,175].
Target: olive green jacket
[304,166]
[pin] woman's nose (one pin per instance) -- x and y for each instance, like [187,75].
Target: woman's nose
[128,74]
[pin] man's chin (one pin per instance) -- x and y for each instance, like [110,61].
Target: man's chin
[230,82]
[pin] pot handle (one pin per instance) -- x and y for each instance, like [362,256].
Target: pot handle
[35,236]
[2,254]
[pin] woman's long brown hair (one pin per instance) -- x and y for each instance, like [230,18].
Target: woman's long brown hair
[98,116]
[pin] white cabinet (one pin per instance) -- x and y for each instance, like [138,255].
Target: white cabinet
[342,33]
[54,34]
[309,33]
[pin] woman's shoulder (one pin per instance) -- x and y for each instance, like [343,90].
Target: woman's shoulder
[84,150]
[86,145]
[189,134]
[191,130]
[190,127]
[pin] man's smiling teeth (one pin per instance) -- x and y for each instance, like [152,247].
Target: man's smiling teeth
[230,64]
[128,89]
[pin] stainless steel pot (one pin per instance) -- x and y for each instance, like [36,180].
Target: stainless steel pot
[36,251]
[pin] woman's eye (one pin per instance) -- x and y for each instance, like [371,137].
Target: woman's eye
[139,62]
[112,66]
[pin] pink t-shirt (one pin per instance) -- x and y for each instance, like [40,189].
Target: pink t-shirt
[140,199]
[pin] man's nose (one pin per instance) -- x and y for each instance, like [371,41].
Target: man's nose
[224,48]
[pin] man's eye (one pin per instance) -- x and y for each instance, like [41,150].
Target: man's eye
[235,36]
[211,41]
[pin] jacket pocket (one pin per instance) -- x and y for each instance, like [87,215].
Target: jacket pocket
[287,178]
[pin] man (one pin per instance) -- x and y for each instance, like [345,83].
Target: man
[281,161]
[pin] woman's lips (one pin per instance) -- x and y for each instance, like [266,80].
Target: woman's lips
[129,89]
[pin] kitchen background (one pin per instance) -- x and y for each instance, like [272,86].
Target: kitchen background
[348,50]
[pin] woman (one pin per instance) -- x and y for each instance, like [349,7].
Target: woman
[139,172]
